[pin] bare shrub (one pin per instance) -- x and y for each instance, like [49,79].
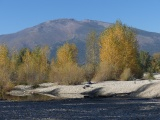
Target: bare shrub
[5,85]
[90,70]
[68,74]
[105,72]
[126,74]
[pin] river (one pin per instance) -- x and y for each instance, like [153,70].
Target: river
[82,109]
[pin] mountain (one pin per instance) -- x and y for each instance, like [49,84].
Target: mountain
[56,32]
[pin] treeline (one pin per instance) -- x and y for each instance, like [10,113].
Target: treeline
[114,55]
[149,64]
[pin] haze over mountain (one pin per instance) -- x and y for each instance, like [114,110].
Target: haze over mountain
[56,32]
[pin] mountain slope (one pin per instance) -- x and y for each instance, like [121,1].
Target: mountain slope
[55,32]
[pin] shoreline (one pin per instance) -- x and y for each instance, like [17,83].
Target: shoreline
[134,89]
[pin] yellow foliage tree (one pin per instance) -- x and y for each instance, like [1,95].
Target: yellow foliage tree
[40,56]
[155,63]
[34,67]
[5,82]
[4,59]
[26,68]
[67,54]
[119,48]
[66,70]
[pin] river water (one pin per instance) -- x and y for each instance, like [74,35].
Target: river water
[82,109]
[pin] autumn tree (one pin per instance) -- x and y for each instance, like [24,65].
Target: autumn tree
[92,48]
[91,55]
[67,54]
[52,70]
[65,69]
[34,67]
[20,55]
[5,82]
[119,49]
[14,66]
[145,61]
[155,62]
[25,69]
[40,56]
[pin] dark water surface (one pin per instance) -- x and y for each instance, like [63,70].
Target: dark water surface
[82,109]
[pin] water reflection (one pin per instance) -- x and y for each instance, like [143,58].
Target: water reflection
[33,97]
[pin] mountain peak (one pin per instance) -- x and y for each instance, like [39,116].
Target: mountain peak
[61,20]
[56,32]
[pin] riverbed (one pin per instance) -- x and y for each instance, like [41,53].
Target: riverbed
[82,109]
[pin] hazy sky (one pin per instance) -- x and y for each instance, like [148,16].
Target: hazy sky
[16,15]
